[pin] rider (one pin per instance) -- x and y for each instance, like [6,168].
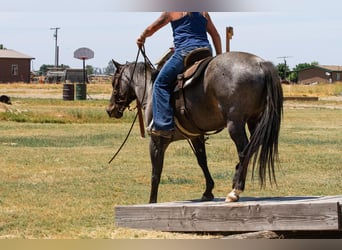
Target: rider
[189,32]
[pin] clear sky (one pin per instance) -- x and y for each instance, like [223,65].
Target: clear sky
[302,30]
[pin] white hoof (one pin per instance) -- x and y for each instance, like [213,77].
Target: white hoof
[233,196]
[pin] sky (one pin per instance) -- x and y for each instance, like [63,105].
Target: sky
[303,31]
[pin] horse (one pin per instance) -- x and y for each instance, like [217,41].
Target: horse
[236,89]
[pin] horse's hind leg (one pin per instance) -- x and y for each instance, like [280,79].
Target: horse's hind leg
[199,148]
[158,146]
[238,134]
[252,124]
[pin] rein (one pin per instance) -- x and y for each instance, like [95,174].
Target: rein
[138,107]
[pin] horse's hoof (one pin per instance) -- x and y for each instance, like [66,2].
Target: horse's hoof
[207,197]
[233,196]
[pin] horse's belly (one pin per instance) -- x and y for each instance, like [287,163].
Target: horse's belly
[201,114]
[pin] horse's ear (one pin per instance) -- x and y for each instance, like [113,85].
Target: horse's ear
[116,64]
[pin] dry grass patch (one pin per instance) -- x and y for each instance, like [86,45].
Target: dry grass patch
[319,90]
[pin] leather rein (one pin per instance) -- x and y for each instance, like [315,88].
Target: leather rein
[124,101]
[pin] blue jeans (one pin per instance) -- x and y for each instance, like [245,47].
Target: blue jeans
[163,87]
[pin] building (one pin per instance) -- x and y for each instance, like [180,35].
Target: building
[14,66]
[55,75]
[58,75]
[320,74]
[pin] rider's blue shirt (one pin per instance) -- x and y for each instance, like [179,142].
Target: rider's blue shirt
[190,31]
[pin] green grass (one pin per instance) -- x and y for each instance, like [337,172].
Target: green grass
[55,180]
[59,111]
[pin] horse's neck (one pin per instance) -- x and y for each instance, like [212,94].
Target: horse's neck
[143,91]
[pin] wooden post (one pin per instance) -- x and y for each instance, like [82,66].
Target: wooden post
[229,36]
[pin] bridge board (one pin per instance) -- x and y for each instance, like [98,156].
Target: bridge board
[249,214]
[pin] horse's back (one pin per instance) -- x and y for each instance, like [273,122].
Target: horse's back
[237,80]
[233,68]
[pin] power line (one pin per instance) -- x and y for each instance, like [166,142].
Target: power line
[284,57]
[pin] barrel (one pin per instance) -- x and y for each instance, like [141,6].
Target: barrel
[68,92]
[81,91]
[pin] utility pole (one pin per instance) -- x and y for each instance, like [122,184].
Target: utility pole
[55,35]
[285,66]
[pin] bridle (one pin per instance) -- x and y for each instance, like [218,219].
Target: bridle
[121,100]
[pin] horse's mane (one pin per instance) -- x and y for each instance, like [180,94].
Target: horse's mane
[143,68]
[140,67]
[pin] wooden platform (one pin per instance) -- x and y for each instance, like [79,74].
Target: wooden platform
[249,214]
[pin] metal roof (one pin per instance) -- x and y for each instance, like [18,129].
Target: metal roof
[331,67]
[10,53]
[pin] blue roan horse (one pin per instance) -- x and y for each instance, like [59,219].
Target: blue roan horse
[235,89]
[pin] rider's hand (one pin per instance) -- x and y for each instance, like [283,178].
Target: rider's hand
[141,41]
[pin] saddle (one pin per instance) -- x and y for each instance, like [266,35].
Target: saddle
[195,64]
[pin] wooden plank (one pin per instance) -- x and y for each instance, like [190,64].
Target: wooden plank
[227,217]
[253,236]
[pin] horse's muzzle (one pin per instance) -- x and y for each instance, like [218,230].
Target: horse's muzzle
[113,112]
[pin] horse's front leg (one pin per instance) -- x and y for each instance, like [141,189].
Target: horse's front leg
[199,148]
[158,146]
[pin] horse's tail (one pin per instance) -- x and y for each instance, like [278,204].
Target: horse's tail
[264,141]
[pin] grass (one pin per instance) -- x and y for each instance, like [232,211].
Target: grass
[313,90]
[55,180]
[59,111]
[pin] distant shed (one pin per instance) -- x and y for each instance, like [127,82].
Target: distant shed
[14,66]
[58,75]
[320,74]
[75,75]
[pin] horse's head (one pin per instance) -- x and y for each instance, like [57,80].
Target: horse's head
[123,94]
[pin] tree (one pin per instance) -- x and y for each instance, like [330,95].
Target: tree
[90,70]
[110,68]
[44,68]
[283,70]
